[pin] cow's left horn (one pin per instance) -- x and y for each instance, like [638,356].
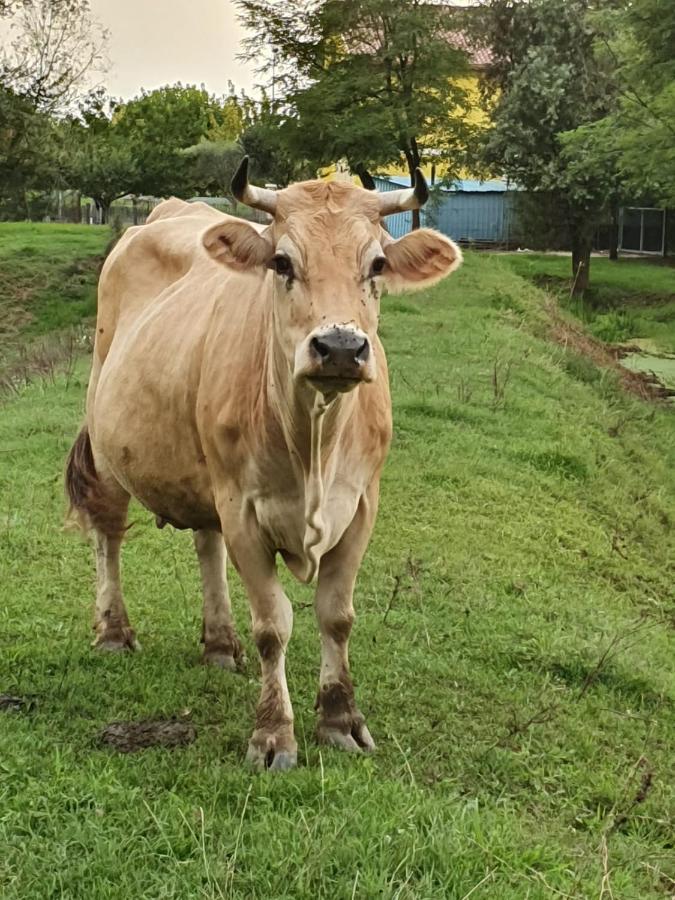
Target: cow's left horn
[258,198]
[408,198]
[366,179]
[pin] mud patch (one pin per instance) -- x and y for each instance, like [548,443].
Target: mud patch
[13,703]
[129,737]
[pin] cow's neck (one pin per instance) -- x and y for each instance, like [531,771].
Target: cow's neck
[312,425]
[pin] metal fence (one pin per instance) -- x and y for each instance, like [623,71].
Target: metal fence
[71,208]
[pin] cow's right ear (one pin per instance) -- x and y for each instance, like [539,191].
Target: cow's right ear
[237,245]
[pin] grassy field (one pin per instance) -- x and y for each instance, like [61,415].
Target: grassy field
[48,276]
[628,299]
[513,652]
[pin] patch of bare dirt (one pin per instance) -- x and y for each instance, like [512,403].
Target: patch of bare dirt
[14,703]
[607,356]
[129,737]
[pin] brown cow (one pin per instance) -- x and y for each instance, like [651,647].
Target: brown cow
[239,389]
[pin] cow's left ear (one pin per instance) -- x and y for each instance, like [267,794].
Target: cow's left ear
[238,245]
[420,259]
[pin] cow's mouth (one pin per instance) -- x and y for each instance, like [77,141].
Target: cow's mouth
[331,384]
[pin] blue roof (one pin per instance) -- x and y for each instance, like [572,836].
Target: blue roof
[470,185]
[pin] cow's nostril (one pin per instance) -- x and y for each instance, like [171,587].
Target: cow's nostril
[363,352]
[321,349]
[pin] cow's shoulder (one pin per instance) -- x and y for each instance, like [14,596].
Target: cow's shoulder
[147,260]
[174,208]
[165,247]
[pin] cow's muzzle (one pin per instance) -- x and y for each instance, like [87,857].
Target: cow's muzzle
[338,359]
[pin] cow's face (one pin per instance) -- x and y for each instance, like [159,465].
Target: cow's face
[329,260]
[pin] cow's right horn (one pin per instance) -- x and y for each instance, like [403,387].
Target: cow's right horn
[408,198]
[258,198]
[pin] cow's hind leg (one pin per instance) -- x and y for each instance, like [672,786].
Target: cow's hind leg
[221,644]
[100,504]
[111,623]
[341,724]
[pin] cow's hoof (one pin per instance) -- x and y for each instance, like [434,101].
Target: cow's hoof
[120,641]
[221,659]
[357,740]
[267,758]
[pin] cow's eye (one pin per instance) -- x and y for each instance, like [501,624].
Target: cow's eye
[377,265]
[281,265]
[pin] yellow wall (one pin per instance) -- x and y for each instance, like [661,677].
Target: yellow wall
[475,116]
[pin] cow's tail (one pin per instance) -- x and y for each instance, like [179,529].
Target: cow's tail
[89,504]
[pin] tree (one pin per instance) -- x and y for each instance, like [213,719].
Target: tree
[640,130]
[226,116]
[54,47]
[56,51]
[369,80]
[156,127]
[8,7]
[26,138]
[215,158]
[213,165]
[95,158]
[268,138]
[547,79]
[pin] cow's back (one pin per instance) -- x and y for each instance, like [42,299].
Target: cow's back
[145,262]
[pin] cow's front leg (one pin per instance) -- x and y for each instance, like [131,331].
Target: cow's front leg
[272,745]
[341,724]
[221,644]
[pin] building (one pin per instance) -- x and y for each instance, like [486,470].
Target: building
[469,211]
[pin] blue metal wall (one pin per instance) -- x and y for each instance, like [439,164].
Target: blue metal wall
[472,216]
[401,223]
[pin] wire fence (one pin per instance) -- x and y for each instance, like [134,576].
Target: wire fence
[70,207]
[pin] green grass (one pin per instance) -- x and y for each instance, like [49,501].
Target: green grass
[48,276]
[520,684]
[628,299]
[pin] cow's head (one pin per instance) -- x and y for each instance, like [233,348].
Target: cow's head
[330,258]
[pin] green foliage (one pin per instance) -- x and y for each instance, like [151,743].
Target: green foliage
[268,140]
[213,163]
[155,127]
[25,139]
[94,156]
[368,80]
[163,142]
[549,79]
[110,149]
[530,542]
[639,132]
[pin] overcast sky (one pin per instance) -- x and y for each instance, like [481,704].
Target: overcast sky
[156,42]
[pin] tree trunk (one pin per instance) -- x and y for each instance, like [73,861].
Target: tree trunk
[614,234]
[413,159]
[134,206]
[101,211]
[581,264]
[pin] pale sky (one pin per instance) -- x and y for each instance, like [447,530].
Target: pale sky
[157,42]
